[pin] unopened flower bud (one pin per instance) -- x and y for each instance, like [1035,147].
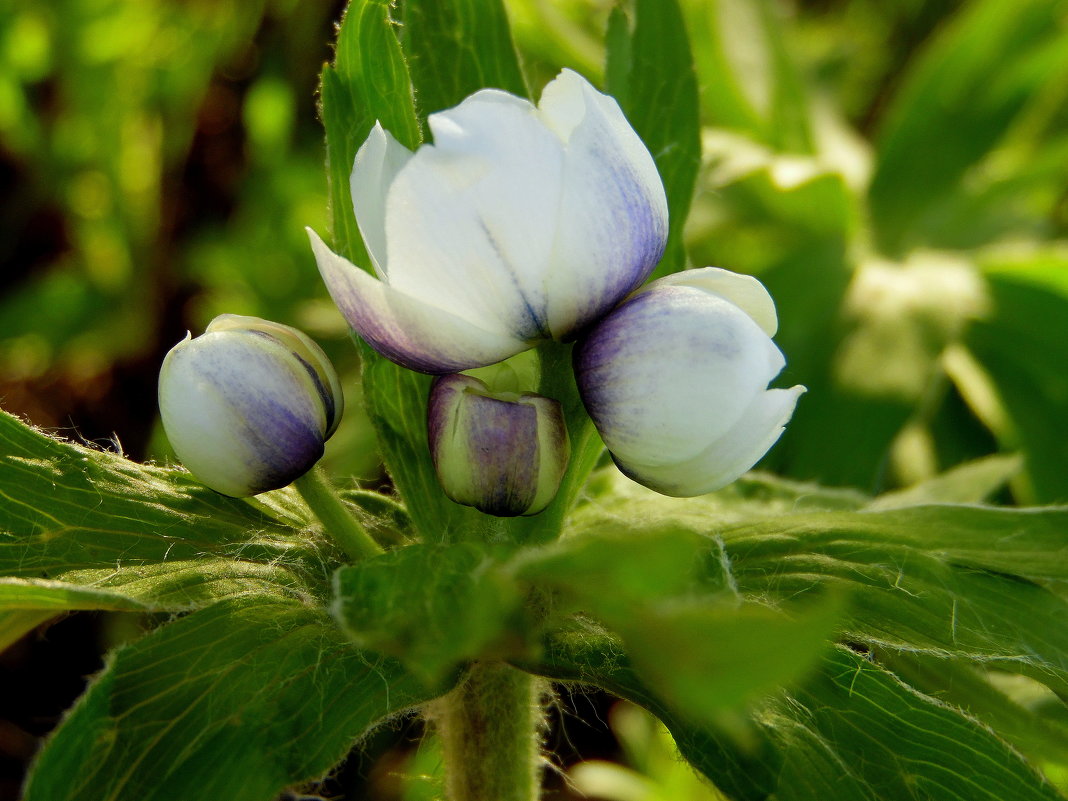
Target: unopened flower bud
[676,379]
[248,405]
[503,453]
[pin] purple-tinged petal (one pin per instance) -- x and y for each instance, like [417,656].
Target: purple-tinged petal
[613,214]
[670,370]
[406,330]
[505,455]
[675,381]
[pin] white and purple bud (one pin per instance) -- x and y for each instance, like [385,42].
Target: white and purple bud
[520,223]
[503,453]
[248,405]
[676,381]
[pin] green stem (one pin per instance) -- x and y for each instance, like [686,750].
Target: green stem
[490,728]
[351,537]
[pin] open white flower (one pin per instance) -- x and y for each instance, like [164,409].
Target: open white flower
[518,224]
[248,405]
[676,380]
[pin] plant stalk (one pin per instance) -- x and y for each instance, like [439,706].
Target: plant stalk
[346,531]
[491,729]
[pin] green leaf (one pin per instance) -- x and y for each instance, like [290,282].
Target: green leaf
[25,603]
[970,482]
[455,48]
[895,741]
[959,100]
[851,731]
[749,81]
[956,581]
[707,653]
[65,507]
[1021,346]
[236,701]
[431,606]
[367,82]
[653,78]
[708,657]
[1036,735]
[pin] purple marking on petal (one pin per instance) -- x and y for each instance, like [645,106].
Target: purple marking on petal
[280,421]
[324,392]
[627,210]
[503,440]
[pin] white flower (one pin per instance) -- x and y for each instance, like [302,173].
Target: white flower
[676,380]
[503,453]
[519,223]
[248,404]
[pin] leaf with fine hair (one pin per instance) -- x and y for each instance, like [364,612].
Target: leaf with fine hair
[238,700]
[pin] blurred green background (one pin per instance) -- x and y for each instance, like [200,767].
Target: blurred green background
[896,173]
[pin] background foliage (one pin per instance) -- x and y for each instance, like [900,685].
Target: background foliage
[897,174]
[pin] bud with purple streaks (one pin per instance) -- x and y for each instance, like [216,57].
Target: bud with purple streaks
[248,405]
[503,453]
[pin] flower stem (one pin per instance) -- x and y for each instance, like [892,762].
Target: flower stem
[490,728]
[322,499]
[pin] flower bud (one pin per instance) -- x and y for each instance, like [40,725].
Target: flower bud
[248,405]
[676,378]
[502,453]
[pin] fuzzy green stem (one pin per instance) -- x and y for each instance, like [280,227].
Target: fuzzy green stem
[490,728]
[338,522]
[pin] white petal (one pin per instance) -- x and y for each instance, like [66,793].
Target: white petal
[377,163]
[744,291]
[470,219]
[728,457]
[405,329]
[670,371]
[613,218]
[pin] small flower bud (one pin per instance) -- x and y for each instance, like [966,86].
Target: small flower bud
[248,405]
[502,453]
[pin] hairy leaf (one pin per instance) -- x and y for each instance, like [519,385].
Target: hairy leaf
[431,606]
[65,507]
[852,730]
[236,701]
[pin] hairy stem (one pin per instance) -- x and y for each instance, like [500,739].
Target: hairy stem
[491,728]
[340,525]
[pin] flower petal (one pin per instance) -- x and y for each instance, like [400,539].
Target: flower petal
[728,457]
[411,332]
[613,215]
[470,219]
[744,291]
[670,371]
[377,163]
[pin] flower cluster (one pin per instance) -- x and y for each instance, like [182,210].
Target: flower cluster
[524,223]
[519,224]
